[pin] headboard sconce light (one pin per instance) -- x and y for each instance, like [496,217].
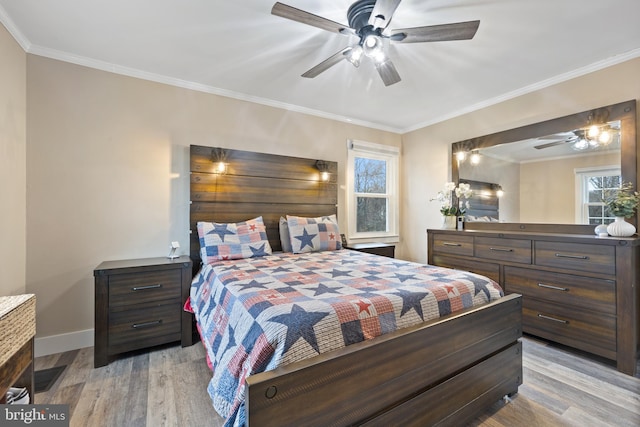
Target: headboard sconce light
[498,189]
[219,159]
[475,157]
[323,167]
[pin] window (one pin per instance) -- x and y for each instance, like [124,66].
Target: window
[593,186]
[372,190]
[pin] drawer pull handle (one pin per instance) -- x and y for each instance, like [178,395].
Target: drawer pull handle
[142,288]
[542,316]
[451,244]
[501,250]
[572,256]
[146,324]
[555,288]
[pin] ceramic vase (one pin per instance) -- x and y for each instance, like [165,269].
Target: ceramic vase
[620,228]
[449,222]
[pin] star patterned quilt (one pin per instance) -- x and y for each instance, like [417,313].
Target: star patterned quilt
[256,314]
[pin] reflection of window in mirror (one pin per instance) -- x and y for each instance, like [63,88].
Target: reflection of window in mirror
[592,186]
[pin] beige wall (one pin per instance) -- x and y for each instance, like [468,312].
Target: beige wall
[13,172]
[556,206]
[108,178]
[107,160]
[426,151]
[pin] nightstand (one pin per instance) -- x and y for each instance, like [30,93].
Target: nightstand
[384,249]
[138,304]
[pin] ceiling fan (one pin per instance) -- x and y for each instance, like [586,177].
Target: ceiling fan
[596,136]
[369,21]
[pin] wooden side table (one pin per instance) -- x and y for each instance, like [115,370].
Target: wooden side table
[139,304]
[384,249]
[17,330]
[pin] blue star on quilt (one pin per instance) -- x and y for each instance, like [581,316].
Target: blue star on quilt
[258,252]
[221,230]
[300,324]
[479,285]
[411,300]
[232,339]
[404,277]
[305,239]
[251,285]
[337,273]
[324,289]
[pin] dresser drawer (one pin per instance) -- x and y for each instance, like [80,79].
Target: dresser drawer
[136,288]
[456,244]
[586,292]
[141,327]
[513,250]
[583,329]
[576,256]
[487,269]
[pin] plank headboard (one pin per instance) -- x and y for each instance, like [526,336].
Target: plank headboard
[256,184]
[483,203]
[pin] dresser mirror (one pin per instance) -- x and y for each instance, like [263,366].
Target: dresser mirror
[546,171]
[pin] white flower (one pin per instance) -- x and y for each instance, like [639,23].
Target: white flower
[462,191]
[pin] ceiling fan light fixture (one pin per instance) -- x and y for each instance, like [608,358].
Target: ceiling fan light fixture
[355,55]
[593,131]
[373,47]
[581,144]
[605,137]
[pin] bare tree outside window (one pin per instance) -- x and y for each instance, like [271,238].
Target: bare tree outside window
[597,189]
[370,182]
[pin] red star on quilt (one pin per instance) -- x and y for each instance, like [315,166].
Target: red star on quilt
[449,289]
[363,306]
[252,227]
[332,236]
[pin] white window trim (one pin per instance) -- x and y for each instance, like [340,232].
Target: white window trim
[582,215]
[391,155]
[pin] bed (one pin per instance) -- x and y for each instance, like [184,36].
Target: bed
[440,371]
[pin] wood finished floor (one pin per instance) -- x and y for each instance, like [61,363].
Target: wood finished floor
[167,387]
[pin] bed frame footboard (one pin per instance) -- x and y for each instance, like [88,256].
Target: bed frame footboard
[442,372]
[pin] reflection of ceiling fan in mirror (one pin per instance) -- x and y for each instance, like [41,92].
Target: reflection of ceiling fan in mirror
[593,137]
[369,21]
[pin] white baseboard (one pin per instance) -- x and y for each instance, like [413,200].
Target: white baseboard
[63,342]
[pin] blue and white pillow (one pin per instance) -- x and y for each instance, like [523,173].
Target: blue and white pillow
[222,241]
[314,234]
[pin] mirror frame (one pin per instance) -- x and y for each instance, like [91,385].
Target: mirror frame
[624,111]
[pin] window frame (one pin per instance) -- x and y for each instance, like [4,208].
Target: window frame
[582,193]
[391,155]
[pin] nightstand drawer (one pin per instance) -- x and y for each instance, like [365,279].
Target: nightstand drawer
[513,250]
[455,244]
[136,288]
[143,327]
[575,256]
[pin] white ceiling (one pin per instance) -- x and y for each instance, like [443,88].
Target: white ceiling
[238,49]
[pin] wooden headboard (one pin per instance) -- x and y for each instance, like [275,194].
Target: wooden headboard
[256,184]
[483,202]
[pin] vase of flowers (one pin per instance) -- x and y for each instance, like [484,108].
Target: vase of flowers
[451,211]
[623,204]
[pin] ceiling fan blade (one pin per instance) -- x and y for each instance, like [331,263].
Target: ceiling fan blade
[388,72]
[327,63]
[289,12]
[436,33]
[550,144]
[382,13]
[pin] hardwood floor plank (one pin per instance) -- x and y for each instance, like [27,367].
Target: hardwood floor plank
[167,386]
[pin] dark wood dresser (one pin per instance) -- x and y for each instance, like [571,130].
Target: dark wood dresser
[578,290]
[139,304]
